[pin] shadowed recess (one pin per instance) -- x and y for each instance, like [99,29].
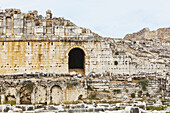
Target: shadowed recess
[76,59]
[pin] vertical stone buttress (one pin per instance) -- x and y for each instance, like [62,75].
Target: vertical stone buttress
[33,96]
[48,95]
[2,96]
[18,98]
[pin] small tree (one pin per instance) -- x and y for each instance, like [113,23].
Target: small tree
[126,90]
[143,83]
[139,93]
[133,95]
[117,91]
[147,94]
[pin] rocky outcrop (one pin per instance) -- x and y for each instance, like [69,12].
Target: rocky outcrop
[161,33]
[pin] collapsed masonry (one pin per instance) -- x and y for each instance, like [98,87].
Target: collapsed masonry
[15,25]
[35,89]
[49,89]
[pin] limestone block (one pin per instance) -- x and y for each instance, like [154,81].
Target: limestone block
[39,30]
[49,30]
[29,23]
[48,14]
[1,31]
[78,31]
[1,23]
[59,31]
[18,23]
[18,16]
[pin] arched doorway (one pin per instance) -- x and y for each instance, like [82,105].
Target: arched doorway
[76,60]
[56,95]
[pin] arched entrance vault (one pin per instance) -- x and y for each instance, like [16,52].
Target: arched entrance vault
[76,60]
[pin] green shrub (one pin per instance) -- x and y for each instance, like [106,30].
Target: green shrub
[30,86]
[106,91]
[70,102]
[109,97]
[117,91]
[10,102]
[133,95]
[165,102]
[104,101]
[113,102]
[26,102]
[155,108]
[147,94]
[143,83]
[151,100]
[126,90]
[139,93]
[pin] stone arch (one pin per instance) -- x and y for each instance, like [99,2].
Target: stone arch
[76,59]
[10,94]
[56,96]
[26,92]
[67,52]
[25,95]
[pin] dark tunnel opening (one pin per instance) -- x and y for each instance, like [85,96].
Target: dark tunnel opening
[76,59]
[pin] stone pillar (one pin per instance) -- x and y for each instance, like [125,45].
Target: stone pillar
[86,65]
[63,92]
[52,31]
[4,25]
[77,93]
[66,64]
[48,95]
[12,32]
[2,98]
[48,14]
[33,96]
[85,88]
[18,98]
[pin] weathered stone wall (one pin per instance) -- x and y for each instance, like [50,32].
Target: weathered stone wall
[118,88]
[50,90]
[18,57]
